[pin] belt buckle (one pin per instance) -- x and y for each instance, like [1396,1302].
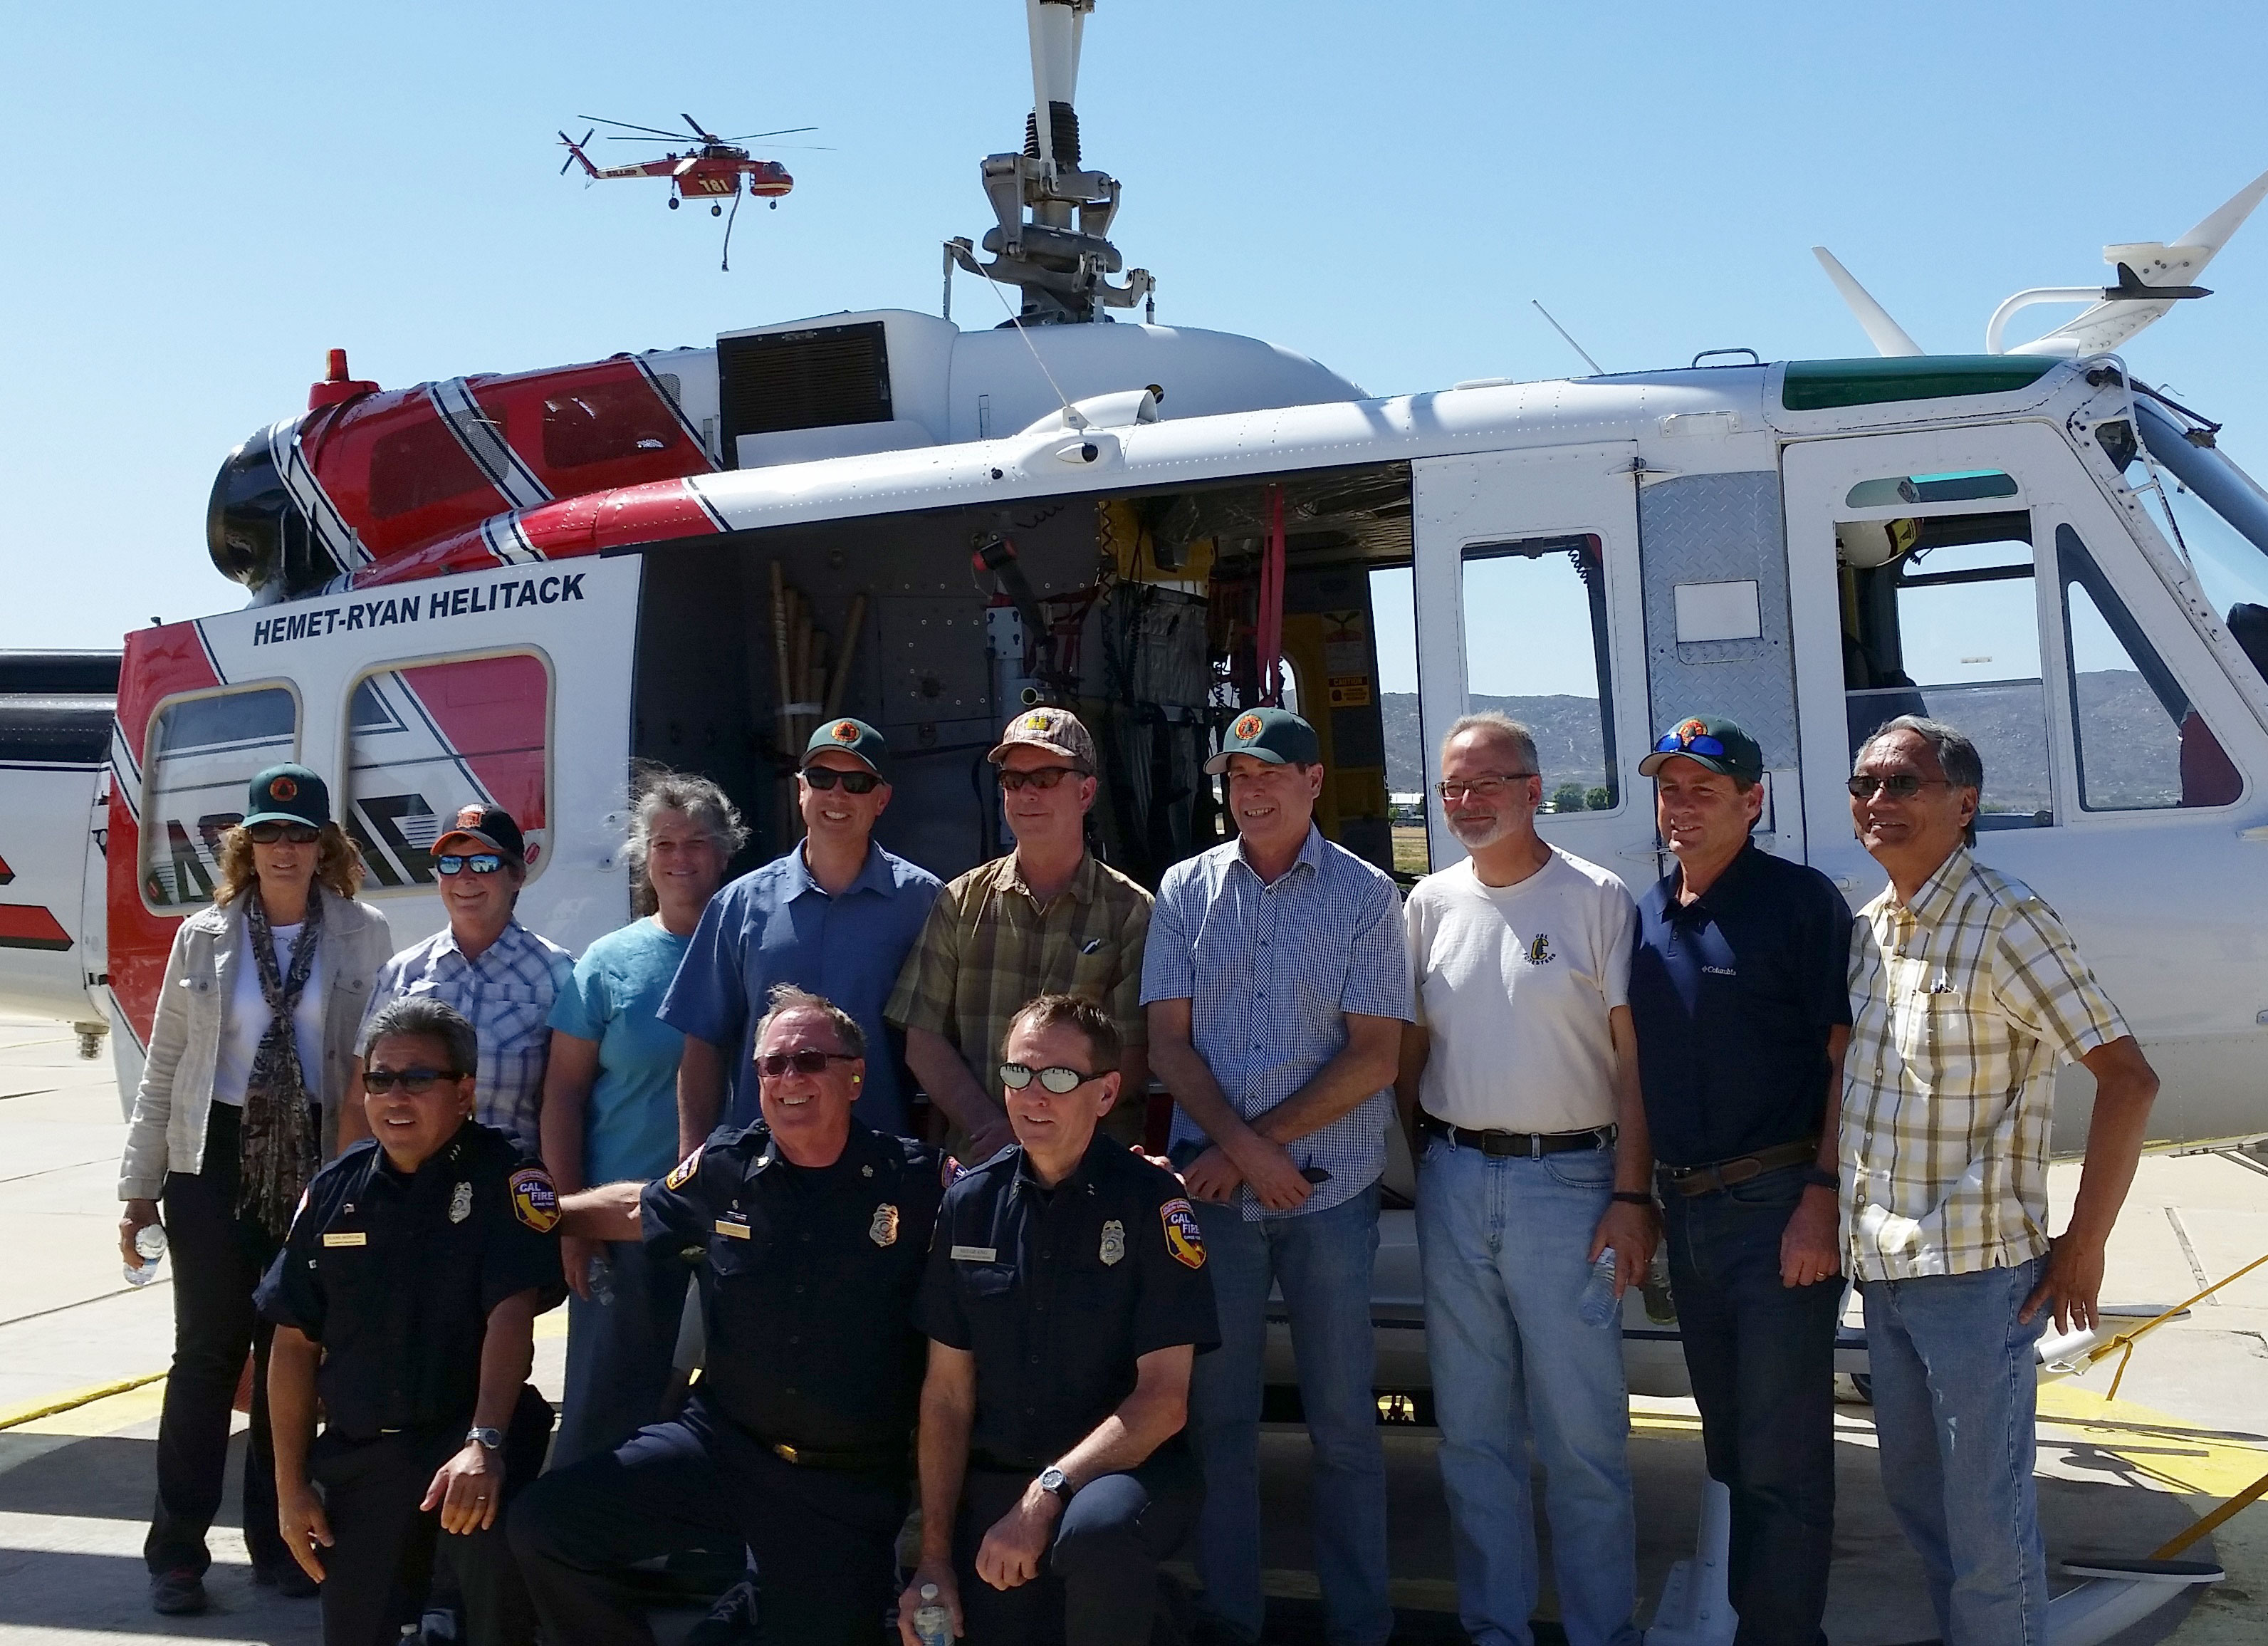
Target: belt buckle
[786,1453]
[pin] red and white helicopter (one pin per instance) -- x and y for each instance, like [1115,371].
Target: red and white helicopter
[712,170]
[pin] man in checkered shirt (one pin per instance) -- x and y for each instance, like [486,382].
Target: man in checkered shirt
[1966,992]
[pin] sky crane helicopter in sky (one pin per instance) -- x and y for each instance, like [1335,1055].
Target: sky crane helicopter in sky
[711,170]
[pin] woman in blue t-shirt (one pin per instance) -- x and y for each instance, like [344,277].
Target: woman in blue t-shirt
[610,1110]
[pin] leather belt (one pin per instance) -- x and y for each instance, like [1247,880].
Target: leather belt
[1518,1145]
[1721,1175]
[860,1459]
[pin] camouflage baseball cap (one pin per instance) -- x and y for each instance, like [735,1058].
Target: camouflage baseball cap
[1057,730]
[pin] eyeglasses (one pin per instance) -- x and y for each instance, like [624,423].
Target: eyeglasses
[269,833]
[1902,785]
[1042,777]
[1698,743]
[828,777]
[1058,1080]
[774,1065]
[479,862]
[1480,788]
[416,1082]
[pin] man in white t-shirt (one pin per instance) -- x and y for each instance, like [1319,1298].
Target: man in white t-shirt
[1520,1082]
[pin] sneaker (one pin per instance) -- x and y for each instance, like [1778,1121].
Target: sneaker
[731,1621]
[288,1578]
[179,1592]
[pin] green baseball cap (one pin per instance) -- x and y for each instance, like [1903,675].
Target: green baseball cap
[1712,742]
[854,738]
[287,794]
[1276,736]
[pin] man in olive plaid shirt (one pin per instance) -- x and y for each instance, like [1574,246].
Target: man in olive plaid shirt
[1966,992]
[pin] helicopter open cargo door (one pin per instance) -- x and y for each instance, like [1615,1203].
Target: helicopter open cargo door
[1979,576]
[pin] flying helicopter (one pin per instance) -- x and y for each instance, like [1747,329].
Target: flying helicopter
[711,170]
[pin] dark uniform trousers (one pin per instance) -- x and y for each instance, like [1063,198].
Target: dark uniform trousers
[1762,1359]
[1099,1584]
[378,1570]
[824,1539]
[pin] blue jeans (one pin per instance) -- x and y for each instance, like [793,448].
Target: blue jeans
[1955,1413]
[1506,1243]
[1322,1261]
[1761,1358]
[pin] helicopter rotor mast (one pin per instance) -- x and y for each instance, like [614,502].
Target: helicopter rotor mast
[1059,256]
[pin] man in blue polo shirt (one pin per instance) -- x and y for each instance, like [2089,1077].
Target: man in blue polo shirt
[1738,990]
[835,916]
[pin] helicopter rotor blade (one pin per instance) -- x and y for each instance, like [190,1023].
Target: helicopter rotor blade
[698,130]
[784,131]
[571,147]
[651,131]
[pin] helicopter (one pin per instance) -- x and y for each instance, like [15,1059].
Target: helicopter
[712,171]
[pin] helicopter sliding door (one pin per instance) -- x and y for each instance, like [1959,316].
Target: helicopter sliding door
[1980,577]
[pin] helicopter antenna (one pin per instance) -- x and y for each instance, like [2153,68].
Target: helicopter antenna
[1596,369]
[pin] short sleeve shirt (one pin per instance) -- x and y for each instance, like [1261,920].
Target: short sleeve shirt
[809,1284]
[990,945]
[394,1275]
[630,1127]
[1963,1003]
[507,995]
[1734,996]
[1058,1292]
[1270,971]
[777,925]
[1514,985]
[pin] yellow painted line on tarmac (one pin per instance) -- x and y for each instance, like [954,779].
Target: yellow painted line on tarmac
[33,1418]
[2180,1455]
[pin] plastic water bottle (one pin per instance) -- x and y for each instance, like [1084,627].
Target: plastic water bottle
[1600,1305]
[602,1281]
[150,1241]
[932,1623]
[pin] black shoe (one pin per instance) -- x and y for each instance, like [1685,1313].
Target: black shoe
[288,1578]
[179,1592]
[731,1621]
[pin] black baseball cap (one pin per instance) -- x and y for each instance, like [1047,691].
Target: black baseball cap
[1712,742]
[861,742]
[287,794]
[1276,736]
[491,826]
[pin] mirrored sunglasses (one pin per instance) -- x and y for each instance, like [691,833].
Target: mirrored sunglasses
[269,833]
[828,777]
[1058,1080]
[479,862]
[1699,743]
[415,1082]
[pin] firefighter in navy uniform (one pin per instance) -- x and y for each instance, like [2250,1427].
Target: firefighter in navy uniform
[797,1439]
[1066,1302]
[406,1296]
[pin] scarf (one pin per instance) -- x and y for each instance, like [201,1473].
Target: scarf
[278,1143]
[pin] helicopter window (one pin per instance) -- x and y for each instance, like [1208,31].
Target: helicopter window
[425,739]
[423,464]
[1961,487]
[605,421]
[202,752]
[1393,620]
[1536,648]
[2141,743]
[1945,624]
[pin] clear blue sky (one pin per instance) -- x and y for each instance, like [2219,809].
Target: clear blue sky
[199,200]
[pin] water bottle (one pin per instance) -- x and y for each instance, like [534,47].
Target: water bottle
[602,1281]
[1600,1305]
[932,1623]
[149,1242]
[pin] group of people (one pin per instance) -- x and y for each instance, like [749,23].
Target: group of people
[1057,1347]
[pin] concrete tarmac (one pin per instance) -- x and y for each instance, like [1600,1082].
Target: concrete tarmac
[2118,1478]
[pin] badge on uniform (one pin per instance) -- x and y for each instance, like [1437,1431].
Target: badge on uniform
[535,1202]
[1183,1239]
[682,1174]
[1114,1242]
[883,1231]
[460,1203]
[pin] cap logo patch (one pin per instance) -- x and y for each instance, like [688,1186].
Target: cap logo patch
[535,1202]
[1248,728]
[1689,730]
[1184,1240]
[844,732]
[282,789]
[1037,721]
[468,817]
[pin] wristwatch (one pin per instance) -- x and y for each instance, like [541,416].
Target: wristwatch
[1054,1480]
[488,1439]
[1815,1177]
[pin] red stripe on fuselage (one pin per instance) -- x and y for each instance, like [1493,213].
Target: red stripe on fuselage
[25,925]
[590,524]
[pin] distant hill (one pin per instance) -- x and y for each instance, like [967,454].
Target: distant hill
[1567,741]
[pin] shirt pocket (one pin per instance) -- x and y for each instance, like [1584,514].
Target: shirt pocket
[1094,969]
[508,1015]
[1938,1034]
[987,1286]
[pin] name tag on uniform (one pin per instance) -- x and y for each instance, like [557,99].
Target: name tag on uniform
[735,1230]
[976,1254]
[357,1237]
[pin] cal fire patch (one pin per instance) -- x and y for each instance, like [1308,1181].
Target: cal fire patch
[1183,1239]
[683,1172]
[535,1202]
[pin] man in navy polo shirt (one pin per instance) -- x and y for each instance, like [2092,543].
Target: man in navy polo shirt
[1738,990]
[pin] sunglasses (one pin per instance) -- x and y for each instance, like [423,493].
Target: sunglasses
[269,833]
[828,777]
[1479,789]
[1902,785]
[416,1082]
[1699,743]
[479,862]
[774,1065]
[1058,1080]
[1041,778]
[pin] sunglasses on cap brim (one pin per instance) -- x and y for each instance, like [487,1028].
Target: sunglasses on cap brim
[1700,743]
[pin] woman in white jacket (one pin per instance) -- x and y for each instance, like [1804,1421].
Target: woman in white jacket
[249,1060]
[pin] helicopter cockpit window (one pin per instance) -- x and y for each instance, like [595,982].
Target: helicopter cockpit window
[1940,618]
[420,465]
[605,421]
[1965,486]
[1536,648]
[202,752]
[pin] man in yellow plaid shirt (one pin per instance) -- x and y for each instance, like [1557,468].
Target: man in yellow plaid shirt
[1966,992]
